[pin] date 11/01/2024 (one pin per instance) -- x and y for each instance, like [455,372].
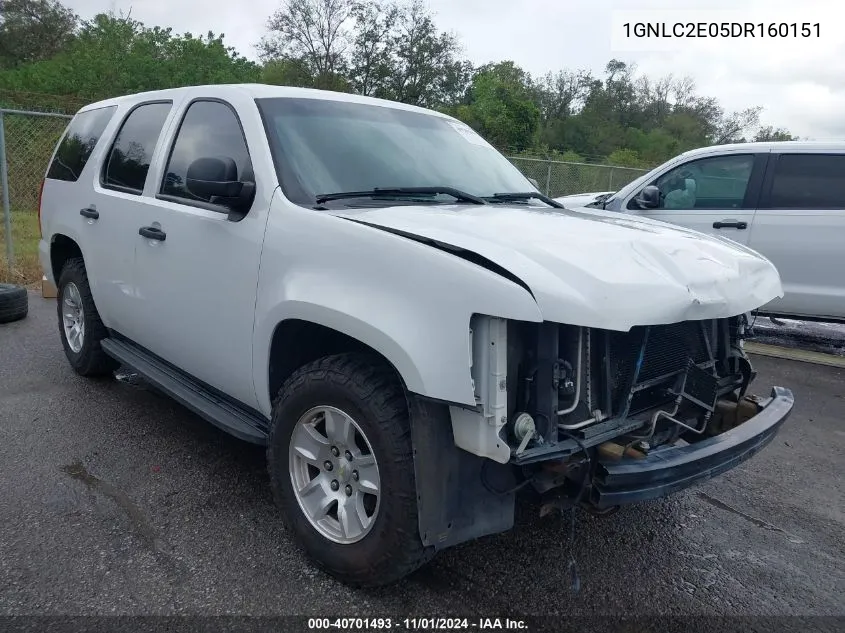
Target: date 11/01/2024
[416,624]
[722,29]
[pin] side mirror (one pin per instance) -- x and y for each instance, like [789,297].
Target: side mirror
[216,179]
[648,198]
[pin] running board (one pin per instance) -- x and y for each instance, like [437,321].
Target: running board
[222,413]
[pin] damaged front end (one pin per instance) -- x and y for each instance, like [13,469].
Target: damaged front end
[602,418]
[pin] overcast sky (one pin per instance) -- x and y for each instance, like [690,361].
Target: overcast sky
[799,82]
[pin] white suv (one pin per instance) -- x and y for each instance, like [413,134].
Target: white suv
[413,330]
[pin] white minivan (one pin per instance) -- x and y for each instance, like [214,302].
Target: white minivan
[785,200]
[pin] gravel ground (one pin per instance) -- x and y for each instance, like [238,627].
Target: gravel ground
[118,501]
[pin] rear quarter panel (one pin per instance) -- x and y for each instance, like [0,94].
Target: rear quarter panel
[61,201]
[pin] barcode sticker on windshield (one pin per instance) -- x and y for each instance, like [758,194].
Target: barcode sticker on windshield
[468,133]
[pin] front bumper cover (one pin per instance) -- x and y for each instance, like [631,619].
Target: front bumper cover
[669,469]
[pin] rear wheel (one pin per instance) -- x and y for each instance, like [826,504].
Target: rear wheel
[341,467]
[80,326]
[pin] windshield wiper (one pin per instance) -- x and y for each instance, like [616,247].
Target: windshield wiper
[395,192]
[524,195]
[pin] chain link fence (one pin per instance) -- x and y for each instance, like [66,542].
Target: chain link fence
[27,139]
[558,178]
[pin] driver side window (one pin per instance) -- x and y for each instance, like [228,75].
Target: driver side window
[719,182]
[209,128]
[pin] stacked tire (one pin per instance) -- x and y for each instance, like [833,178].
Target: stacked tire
[14,303]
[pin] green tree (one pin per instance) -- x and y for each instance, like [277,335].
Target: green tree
[117,55]
[501,107]
[655,118]
[561,94]
[32,30]
[769,133]
[385,48]
[625,158]
[732,126]
[317,32]
[373,46]
[426,69]
[391,50]
[287,71]
[290,71]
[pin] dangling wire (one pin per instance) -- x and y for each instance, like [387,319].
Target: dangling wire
[493,490]
[575,578]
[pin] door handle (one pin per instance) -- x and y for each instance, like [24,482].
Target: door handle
[88,212]
[733,224]
[152,233]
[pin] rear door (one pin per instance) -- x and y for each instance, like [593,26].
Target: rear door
[714,194]
[800,227]
[118,202]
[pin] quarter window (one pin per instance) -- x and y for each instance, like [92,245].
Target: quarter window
[209,129]
[809,181]
[130,155]
[719,182]
[80,140]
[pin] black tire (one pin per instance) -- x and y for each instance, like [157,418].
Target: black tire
[90,360]
[14,303]
[370,392]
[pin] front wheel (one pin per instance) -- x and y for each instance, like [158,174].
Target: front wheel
[341,467]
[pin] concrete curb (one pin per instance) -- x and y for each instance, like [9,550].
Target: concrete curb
[791,353]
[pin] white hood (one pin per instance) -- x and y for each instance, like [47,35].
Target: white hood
[598,269]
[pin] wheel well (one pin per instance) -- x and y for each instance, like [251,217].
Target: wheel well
[296,343]
[62,248]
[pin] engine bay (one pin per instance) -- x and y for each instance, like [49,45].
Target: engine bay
[565,397]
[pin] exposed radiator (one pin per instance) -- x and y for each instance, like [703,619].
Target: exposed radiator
[669,350]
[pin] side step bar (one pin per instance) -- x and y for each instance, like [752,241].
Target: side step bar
[228,416]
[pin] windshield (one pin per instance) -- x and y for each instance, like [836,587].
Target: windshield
[323,146]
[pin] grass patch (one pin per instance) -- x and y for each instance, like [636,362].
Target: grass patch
[26,270]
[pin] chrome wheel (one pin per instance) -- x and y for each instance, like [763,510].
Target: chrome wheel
[334,474]
[73,317]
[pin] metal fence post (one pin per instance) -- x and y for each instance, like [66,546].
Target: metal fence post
[610,179]
[4,182]
[549,178]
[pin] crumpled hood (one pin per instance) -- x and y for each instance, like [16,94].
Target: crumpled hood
[576,200]
[595,268]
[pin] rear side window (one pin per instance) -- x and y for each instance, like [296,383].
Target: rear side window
[809,181]
[129,159]
[80,140]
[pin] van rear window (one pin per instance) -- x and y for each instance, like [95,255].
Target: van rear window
[79,141]
[809,181]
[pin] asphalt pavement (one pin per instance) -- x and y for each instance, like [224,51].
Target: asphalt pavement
[115,500]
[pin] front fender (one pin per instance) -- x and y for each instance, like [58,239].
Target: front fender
[350,324]
[410,302]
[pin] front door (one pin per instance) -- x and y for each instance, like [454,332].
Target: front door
[715,195]
[196,271]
